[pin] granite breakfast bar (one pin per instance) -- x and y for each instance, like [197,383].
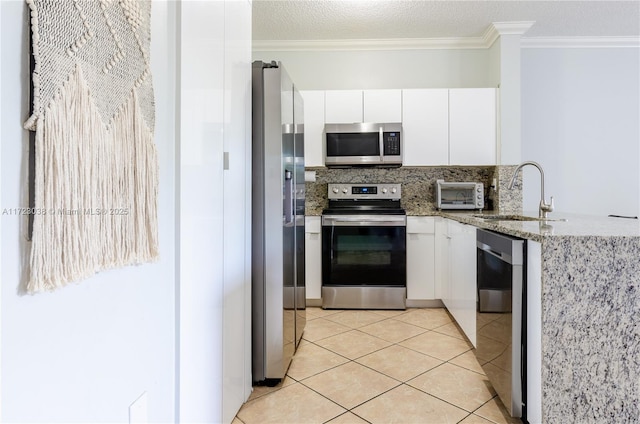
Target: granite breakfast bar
[590,308]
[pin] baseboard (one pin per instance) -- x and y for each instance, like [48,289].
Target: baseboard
[314,302]
[431,303]
[423,303]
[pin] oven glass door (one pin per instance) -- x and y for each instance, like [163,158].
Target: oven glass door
[364,256]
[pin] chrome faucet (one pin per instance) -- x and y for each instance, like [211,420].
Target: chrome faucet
[545,208]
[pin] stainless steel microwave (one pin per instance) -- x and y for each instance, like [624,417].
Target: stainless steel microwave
[366,144]
[459,195]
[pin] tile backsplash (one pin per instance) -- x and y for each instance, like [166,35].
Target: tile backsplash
[418,185]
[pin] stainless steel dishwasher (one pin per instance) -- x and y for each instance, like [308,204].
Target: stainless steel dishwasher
[501,293]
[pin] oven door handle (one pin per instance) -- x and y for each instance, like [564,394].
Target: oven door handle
[364,221]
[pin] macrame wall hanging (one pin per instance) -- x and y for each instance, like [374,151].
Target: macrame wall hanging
[96,169]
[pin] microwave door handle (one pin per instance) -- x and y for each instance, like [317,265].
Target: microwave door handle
[381,140]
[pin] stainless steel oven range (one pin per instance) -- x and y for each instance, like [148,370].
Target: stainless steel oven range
[364,247]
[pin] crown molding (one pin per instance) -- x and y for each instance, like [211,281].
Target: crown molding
[370,44]
[491,34]
[497,29]
[579,42]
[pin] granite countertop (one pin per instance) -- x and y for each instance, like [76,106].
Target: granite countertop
[575,225]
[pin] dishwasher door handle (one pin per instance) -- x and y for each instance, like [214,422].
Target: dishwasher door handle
[500,255]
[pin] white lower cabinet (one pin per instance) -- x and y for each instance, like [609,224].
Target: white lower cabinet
[456,272]
[420,258]
[313,259]
[442,286]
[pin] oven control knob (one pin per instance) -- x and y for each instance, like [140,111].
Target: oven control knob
[335,190]
[393,190]
[345,191]
[479,197]
[479,190]
[384,190]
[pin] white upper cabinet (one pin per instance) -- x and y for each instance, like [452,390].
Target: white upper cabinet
[425,124]
[349,106]
[382,106]
[313,127]
[441,127]
[472,126]
[343,106]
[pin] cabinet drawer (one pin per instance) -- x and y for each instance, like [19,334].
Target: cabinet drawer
[420,225]
[312,224]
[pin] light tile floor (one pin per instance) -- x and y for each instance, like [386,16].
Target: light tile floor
[370,366]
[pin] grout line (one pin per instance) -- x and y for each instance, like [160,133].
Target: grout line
[347,412]
[465,368]
[440,399]
[382,318]
[329,399]
[488,419]
[376,396]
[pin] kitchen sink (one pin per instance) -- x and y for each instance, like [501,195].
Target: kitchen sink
[514,218]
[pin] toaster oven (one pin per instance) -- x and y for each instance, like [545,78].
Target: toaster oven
[459,195]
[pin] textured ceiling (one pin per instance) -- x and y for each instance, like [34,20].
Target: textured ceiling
[393,19]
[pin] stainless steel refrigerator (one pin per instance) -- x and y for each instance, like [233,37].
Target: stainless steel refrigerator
[278,286]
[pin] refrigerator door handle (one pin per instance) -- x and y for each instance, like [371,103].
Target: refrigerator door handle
[288,197]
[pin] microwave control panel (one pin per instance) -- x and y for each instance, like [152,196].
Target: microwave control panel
[391,142]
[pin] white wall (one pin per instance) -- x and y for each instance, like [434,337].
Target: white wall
[379,69]
[581,121]
[178,329]
[84,353]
